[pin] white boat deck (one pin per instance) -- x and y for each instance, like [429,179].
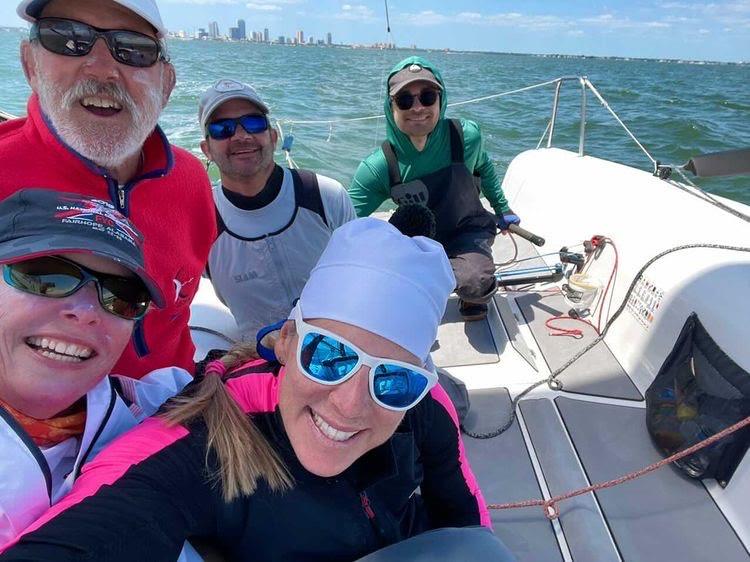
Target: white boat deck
[591,431]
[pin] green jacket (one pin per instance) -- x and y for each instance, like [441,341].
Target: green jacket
[371,185]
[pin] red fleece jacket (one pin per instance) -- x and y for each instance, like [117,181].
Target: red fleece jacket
[170,202]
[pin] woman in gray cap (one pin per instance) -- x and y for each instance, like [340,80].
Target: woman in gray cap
[352,422]
[72,287]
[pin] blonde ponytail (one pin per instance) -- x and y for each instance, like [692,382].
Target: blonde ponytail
[243,453]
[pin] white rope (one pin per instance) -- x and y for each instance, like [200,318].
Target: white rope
[287,153]
[454,104]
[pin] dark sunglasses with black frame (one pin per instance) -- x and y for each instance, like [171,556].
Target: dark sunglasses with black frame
[56,277]
[427,98]
[73,38]
[223,129]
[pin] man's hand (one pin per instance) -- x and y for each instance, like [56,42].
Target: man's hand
[506,219]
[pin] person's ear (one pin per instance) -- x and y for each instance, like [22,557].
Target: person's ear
[168,83]
[27,63]
[283,346]
[274,135]
[205,149]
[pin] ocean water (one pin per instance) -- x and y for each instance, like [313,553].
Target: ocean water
[676,109]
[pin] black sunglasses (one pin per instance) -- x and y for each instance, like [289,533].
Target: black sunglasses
[427,98]
[55,277]
[73,38]
[223,129]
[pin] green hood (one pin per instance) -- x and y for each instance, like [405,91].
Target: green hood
[398,139]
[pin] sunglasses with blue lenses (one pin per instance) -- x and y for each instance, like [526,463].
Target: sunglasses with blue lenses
[329,359]
[57,278]
[223,129]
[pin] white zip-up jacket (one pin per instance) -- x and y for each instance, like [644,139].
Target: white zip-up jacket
[31,480]
[262,258]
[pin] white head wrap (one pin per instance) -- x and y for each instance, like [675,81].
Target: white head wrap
[373,277]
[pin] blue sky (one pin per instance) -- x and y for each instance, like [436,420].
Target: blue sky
[666,29]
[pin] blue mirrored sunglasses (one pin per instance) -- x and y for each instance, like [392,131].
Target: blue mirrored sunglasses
[223,129]
[327,358]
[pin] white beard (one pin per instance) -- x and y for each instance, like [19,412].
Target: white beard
[106,145]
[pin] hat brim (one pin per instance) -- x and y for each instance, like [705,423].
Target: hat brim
[208,111]
[29,247]
[402,85]
[29,10]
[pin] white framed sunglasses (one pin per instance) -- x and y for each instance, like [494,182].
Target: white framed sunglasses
[329,359]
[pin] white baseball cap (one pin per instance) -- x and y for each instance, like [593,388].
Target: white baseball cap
[147,9]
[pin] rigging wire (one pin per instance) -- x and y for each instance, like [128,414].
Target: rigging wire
[454,104]
[617,118]
[704,194]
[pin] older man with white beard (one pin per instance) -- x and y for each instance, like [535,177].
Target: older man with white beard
[100,76]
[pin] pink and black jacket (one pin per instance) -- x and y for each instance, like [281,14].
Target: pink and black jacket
[143,496]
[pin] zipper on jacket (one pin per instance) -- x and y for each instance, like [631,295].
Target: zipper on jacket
[121,196]
[139,339]
[366,505]
[83,459]
[117,194]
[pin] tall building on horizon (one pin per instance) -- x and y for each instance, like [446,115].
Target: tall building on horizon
[300,37]
[241,29]
[329,38]
[266,36]
[213,30]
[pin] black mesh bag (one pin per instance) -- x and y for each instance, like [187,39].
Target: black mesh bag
[698,392]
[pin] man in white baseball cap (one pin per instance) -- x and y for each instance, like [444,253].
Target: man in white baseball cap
[275,221]
[100,77]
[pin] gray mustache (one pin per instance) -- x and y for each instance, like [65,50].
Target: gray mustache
[94,88]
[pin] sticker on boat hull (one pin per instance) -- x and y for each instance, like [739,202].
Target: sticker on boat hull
[644,301]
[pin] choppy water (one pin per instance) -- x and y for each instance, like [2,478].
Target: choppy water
[675,109]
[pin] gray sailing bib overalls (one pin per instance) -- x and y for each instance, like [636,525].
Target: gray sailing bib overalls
[464,227]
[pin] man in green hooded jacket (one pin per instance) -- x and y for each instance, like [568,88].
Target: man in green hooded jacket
[439,164]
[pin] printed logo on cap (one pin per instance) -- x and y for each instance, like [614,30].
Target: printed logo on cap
[228,86]
[415,68]
[100,216]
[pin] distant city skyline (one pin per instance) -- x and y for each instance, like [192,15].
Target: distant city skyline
[677,29]
[239,32]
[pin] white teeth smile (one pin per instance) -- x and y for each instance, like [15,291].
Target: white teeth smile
[60,350]
[331,432]
[100,103]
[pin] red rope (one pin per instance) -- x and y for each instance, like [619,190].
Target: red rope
[609,283]
[576,333]
[552,511]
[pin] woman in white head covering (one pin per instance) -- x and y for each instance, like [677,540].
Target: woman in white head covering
[352,446]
